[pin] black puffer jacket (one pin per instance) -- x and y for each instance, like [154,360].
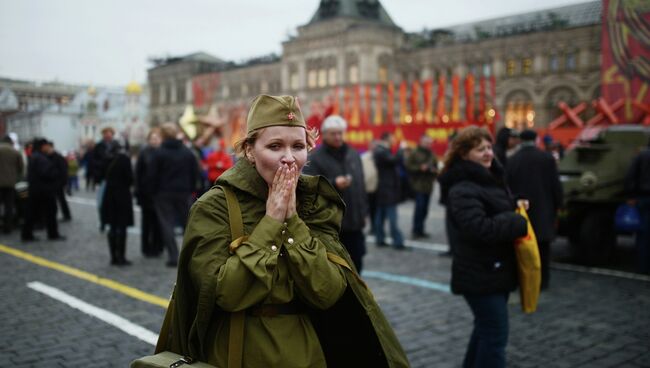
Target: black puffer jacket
[483,226]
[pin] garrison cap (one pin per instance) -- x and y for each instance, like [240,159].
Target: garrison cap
[269,111]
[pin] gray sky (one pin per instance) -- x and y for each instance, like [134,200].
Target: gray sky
[108,42]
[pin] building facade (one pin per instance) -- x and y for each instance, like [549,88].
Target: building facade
[536,59]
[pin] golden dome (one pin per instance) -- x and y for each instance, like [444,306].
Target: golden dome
[133,88]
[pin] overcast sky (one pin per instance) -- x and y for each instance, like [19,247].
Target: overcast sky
[108,42]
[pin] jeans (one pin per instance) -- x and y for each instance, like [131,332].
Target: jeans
[389,211]
[643,236]
[487,345]
[421,211]
[355,243]
[172,209]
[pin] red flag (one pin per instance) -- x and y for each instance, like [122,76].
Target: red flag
[390,108]
[441,114]
[469,98]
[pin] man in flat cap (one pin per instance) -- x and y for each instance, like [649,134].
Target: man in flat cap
[341,165]
[532,175]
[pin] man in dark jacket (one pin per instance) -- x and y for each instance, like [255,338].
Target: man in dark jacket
[340,164]
[174,173]
[637,185]
[151,243]
[42,177]
[11,167]
[532,175]
[422,168]
[388,191]
[101,158]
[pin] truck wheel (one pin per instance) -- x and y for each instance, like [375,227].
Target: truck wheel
[597,238]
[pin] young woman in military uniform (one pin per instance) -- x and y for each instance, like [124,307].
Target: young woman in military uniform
[304,303]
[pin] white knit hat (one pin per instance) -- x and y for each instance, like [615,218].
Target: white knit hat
[333,122]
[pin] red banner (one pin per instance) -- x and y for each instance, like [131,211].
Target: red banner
[625,68]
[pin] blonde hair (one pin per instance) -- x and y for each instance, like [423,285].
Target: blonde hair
[468,138]
[249,141]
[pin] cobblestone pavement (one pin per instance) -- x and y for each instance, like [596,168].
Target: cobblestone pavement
[584,320]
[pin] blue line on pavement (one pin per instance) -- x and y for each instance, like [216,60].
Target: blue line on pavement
[407,280]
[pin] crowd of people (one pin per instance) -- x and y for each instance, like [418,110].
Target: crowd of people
[304,236]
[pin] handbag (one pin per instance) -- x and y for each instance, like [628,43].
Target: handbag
[528,267]
[627,218]
[168,359]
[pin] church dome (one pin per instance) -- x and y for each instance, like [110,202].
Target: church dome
[133,88]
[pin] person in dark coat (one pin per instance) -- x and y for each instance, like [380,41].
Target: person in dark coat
[174,174]
[42,178]
[151,240]
[87,162]
[62,168]
[484,226]
[388,191]
[101,159]
[117,206]
[422,167]
[341,165]
[637,186]
[506,144]
[532,175]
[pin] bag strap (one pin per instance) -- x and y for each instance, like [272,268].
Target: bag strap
[236,338]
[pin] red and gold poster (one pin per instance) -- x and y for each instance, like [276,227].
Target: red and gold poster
[625,68]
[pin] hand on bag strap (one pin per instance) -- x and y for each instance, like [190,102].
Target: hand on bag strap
[335,258]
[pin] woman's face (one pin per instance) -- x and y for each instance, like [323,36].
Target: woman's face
[276,146]
[482,154]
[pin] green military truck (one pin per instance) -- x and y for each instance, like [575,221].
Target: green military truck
[592,175]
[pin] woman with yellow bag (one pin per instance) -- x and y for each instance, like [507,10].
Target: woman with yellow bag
[482,226]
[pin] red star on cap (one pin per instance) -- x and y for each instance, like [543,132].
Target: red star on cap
[291,116]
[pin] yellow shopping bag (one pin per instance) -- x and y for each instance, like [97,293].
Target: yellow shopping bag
[528,266]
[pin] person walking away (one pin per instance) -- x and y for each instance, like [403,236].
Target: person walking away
[174,173]
[637,185]
[73,171]
[289,280]
[42,178]
[532,175]
[371,182]
[422,167]
[117,206]
[388,191]
[484,227]
[62,168]
[217,162]
[150,237]
[11,167]
[341,165]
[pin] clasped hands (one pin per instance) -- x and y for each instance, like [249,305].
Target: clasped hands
[281,202]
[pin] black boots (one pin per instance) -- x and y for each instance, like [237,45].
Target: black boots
[117,246]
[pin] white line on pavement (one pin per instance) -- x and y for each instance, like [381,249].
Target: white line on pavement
[99,313]
[599,271]
[91,202]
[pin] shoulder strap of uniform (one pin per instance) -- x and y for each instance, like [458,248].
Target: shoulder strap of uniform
[236,338]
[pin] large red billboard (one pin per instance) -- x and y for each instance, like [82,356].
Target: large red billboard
[625,63]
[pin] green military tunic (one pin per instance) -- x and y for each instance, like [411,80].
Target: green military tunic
[278,263]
